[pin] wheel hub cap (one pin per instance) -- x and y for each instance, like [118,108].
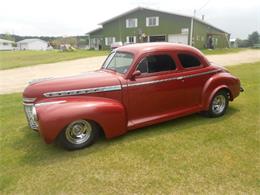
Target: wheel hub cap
[219,104]
[78,131]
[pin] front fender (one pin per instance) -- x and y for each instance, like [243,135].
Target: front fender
[55,114]
[217,82]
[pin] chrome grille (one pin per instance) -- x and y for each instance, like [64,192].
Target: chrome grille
[29,109]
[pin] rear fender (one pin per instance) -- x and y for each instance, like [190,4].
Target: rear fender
[218,82]
[55,114]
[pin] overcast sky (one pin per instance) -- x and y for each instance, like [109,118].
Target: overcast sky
[76,17]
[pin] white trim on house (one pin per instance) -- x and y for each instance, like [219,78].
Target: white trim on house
[152,21]
[131,22]
[131,39]
[109,40]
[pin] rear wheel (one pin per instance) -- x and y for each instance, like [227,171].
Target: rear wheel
[78,134]
[219,104]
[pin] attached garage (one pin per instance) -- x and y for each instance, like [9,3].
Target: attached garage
[178,38]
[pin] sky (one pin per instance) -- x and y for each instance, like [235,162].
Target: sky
[77,17]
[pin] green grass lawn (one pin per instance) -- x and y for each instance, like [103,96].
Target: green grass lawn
[15,59]
[222,51]
[187,155]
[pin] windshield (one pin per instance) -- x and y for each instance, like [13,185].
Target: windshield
[118,61]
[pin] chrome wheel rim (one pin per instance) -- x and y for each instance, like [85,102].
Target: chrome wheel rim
[219,104]
[78,132]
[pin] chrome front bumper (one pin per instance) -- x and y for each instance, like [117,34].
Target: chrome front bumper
[31,116]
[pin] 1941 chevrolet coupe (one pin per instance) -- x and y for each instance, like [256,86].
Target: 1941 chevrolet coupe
[138,85]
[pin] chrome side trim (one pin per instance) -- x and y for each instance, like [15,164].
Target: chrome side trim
[203,73]
[152,82]
[49,103]
[172,79]
[82,91]
[29,100]
[119,87]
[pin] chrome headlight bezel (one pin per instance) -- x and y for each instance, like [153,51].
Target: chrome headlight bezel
[31,115]
[34,112]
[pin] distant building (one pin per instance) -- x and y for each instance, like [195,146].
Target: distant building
[32,44]
[233,43]
[6,44]
[150,25]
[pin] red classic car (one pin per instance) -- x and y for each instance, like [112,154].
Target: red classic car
[138,85]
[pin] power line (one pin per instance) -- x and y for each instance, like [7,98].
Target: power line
[205,4]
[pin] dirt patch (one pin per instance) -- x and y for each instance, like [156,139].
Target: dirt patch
[15,80]
[231,59]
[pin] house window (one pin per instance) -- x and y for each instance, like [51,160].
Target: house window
[188,61]
[131,23]
[156,63]
[152,21]
[109,40]
[131,39]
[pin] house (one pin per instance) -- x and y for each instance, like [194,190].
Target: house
[32,44]
[149,25]
[6,45]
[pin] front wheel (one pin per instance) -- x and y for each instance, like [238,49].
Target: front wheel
[219,104]
[78,134]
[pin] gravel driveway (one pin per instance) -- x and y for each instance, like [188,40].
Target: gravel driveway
[15,80]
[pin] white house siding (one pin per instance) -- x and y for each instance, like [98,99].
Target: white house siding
[32,45]
[6,45]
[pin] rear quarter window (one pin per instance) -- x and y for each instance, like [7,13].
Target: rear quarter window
[189,61]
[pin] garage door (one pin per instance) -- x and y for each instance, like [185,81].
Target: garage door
[178,38]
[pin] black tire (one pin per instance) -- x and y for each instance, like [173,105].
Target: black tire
[218,104]
[78,134]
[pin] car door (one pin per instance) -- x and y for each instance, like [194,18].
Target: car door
[194,76]
[157,91]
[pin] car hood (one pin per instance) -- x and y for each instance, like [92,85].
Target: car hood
[90,80]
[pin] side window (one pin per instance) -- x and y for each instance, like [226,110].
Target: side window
[188,61]
[143,66]
[156,63]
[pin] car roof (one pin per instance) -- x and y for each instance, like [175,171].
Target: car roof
[140,48]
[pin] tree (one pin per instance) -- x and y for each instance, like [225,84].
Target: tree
[8,36]
[243,43]
[253,38]
[56,43]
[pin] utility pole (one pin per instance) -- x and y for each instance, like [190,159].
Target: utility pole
[192,26]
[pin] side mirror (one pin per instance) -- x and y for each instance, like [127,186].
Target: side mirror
[136,74]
